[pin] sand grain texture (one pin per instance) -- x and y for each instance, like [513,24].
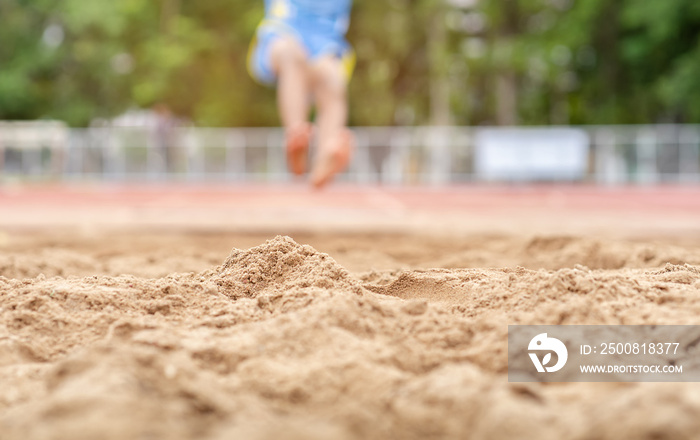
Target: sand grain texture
[381,337]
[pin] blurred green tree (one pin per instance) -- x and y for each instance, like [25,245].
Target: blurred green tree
[418,61]
[595,61]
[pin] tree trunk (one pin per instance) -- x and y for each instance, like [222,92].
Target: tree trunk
[506,79]
[506,99]
[440,113]
[169,9]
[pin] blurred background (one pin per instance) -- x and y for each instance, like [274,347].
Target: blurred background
[604,91]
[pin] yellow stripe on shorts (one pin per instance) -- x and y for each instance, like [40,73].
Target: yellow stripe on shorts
[348,61]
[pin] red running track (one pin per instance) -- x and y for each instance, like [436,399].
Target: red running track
[236,205]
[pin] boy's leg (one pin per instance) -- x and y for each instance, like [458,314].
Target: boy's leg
[329,82]
[290,63]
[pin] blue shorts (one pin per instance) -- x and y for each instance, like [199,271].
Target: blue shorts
[315,44]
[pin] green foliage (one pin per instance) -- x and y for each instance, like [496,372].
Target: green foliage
[568,61]
[595,61]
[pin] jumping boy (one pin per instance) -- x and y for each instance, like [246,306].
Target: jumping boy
[300,46]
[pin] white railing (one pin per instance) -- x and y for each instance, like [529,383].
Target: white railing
[392,155]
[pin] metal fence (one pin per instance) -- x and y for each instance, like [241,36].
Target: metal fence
[391,155]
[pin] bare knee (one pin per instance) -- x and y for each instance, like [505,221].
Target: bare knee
[329,77]
[287,51]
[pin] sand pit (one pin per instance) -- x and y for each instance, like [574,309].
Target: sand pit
[136,334]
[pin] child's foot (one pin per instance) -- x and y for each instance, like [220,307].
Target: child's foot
[332,161]
[297,140]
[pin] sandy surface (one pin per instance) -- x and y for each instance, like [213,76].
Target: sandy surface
[143,334]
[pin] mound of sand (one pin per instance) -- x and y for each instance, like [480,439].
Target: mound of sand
[281,341]
[156,255]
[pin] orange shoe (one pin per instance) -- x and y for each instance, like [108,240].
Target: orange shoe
[297,140]
[332,162]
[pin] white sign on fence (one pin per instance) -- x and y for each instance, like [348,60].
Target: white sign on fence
[527,154]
